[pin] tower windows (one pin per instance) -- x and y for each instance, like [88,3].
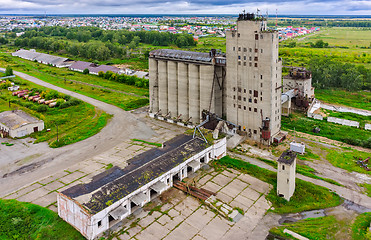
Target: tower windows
[256,37]
[256,64]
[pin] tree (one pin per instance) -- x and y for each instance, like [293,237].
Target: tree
[8,71]
[86,71]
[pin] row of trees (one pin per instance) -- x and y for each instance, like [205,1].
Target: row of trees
[321,23]
[121,37]
[327,73]
[92,50]
[130,80]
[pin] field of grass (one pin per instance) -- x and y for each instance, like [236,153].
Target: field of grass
[361,99]
[314,228]
[301,123]
[67,80]
[343,36]
[328,227]
[307,196]
[75,123]
[347,160]
[20,220]
[360,227]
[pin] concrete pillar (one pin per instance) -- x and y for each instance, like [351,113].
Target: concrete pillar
[206,88]
[172,88]
[194,92]
[183,85]
[153,85]
[162,91]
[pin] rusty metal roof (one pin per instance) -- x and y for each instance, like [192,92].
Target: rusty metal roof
[181,55]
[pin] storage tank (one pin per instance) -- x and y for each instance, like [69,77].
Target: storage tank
[162,86]
[183,90]
[194,92]
[172,88]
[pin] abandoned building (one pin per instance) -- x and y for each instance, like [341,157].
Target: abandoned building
[300,79]
[286,171]
[243,86]
[17,123]
[111,196]
[43,58]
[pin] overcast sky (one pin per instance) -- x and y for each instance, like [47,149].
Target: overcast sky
[301,7]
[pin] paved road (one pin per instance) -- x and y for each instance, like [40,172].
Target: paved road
[121,127]
[351,195]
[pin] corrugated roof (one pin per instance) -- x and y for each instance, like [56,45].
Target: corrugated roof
[116,183]
[183,55]
[41,57]
[17,118]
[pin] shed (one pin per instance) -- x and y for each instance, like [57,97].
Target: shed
[19,124]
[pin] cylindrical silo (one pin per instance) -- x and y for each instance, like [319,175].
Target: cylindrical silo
[162,84]
[206,87]
[153,85]
[172,88]
[194,92]
[183,90]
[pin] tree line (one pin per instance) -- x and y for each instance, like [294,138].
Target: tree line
[327,73]
[95,43]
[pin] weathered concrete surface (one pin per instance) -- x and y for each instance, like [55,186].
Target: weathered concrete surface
[123,126]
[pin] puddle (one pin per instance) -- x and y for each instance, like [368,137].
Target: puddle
[313,214]
[355,207]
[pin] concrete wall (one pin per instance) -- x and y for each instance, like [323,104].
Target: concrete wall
[183,86]
[24,130]
[75,215]
[253,78]
[286,179]
[343,122]
[172,88]
[194,92]
[153,85]
[162,86]
[304,86]
[72,213]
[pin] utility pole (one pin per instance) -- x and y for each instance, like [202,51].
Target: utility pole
[57,132]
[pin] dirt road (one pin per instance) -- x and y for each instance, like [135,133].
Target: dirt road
[121,127]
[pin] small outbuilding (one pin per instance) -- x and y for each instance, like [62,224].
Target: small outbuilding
[17,123]
[286,171]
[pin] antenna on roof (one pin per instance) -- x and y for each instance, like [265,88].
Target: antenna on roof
[257,12]
[276,18]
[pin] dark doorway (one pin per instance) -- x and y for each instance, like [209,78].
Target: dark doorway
[36,129]
[189,169]
[153,194]
[176,178]
[202,160]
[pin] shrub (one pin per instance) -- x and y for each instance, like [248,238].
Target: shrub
[42,108]
[86,71]
[8,71]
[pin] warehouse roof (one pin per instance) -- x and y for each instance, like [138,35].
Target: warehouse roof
[116,183]
[181,55]
[17,118]
[40,57]
[80,65]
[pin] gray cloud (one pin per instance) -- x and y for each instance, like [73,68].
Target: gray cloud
[184,6]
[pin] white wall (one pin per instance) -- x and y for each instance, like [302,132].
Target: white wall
[26,129]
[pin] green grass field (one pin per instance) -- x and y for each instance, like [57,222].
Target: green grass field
[75,123]
[25,221]
[347,160]
[307,196]
[62,77]
[343,36]
[301,123]
[361,99]
[328,227]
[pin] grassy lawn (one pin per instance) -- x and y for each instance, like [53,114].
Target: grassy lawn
[307,196]
[20,220]
[328,227]
[360,227]
[346,160]
[360,99]
[313,228]
[343,36]
[301,123]
[75,123]
[66,79]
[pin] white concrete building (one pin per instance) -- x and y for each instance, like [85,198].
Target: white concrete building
[286,171]
[301,80]
[18,124]
[111,196]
